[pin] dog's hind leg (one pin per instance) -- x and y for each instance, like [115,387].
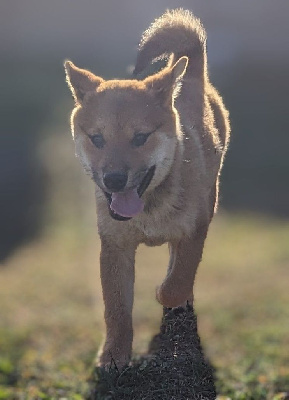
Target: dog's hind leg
[185,257]
[117,278]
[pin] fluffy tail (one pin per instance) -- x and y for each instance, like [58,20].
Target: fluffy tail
[175,34]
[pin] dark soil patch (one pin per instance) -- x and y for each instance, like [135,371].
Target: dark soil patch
[175,367]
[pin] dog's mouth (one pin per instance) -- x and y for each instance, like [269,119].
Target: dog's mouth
[125,205]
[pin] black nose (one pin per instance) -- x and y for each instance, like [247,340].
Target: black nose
[115,181]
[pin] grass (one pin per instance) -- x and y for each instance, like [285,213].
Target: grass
[175,367]
[52,315]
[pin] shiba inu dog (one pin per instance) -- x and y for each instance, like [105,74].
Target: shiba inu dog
[154,146]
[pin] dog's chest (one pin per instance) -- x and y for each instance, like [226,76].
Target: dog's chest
[156,231]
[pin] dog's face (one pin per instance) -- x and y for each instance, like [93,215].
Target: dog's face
[125,133]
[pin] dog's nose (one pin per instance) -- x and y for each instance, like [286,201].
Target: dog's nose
[115,181]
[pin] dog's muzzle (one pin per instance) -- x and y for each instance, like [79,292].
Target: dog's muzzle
[140,191]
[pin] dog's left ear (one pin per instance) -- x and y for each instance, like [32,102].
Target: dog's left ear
[80,81]
[163,84]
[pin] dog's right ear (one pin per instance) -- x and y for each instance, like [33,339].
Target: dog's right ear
[80,81]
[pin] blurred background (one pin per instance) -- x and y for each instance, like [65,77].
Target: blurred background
[48,235]
[248,59]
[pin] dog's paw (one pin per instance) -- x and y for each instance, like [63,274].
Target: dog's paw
[109,360]
[170,298]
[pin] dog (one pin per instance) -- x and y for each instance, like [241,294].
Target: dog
[154,145]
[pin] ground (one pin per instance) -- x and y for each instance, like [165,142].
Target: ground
[52,313]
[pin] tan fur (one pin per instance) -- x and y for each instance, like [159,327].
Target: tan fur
[190,136]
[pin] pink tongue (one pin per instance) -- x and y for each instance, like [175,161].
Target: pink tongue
[127,204]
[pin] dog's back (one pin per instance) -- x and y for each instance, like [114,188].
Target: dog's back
[204,118]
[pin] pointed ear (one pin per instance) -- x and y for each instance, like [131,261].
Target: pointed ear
[80,81]
[180,67]
[163,84]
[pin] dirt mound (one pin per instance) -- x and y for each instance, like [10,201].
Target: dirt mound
[174,369]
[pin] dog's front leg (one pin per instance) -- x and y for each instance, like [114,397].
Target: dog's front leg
[185,256]
[117,278]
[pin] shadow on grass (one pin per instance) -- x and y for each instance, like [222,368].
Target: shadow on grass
[175,367]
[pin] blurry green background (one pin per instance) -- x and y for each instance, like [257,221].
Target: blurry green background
[50,300]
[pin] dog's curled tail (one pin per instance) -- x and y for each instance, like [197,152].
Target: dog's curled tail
[175,34]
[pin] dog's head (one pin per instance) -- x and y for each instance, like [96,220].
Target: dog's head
[125,132]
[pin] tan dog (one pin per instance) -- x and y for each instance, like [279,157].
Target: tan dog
[155,152]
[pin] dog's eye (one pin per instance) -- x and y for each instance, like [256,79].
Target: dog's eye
[140,139]
[97,140]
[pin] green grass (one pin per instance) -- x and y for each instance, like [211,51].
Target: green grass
[174,368]
[51,308]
